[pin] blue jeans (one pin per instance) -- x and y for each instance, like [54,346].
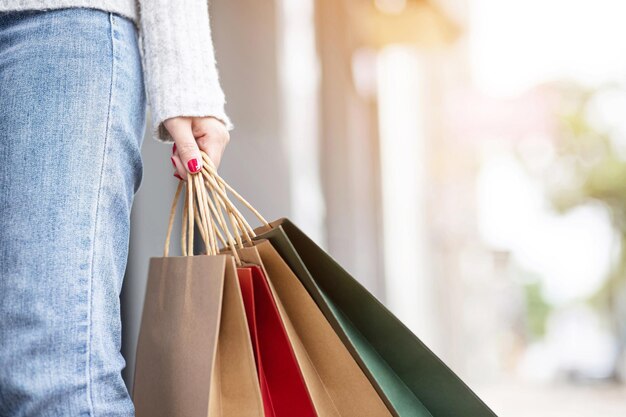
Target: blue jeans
[72,110]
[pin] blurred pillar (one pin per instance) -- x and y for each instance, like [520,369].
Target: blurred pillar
[349,152]
[299,85]
[405,156]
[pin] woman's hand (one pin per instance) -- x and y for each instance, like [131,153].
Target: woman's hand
[192,134]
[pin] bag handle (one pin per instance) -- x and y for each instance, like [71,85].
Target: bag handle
[208,206]
[198,210]
[193,213]
[220,189]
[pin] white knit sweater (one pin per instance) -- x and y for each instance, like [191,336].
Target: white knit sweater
[178,58]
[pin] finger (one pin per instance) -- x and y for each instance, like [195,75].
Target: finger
[214,145]
[178,176]
[214,149]
[178,165]
[186,146]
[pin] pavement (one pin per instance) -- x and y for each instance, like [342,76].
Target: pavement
[555,400]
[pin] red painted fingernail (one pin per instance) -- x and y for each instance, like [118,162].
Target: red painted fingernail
[173,163]
[174,149]
[178,176]
[192,164]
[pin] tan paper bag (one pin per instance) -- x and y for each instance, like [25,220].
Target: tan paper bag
[337,385]
[194,356]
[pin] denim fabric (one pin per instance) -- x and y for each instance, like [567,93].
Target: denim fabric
[72,110]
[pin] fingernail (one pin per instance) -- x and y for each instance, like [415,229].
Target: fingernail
[178,176]
[173,163]
[192,164]
[174,149]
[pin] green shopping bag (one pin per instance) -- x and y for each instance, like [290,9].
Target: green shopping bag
[409,377]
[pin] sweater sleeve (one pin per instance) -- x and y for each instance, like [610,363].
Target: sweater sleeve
[179,62]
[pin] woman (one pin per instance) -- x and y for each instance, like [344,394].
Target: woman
[72,110]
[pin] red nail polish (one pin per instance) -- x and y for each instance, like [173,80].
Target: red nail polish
[178,176]
[174,149]
[173,163]
[192,164]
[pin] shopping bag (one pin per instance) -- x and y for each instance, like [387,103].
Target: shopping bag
[194,354]
[411,379]
[405,373]
[235,391]
[282,385]
[338,387]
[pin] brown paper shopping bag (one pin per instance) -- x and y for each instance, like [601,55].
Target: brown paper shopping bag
[337,386]
[194,355]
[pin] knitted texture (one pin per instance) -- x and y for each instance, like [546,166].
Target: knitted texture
[178,58]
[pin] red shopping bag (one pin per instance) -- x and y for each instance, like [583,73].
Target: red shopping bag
[282,385]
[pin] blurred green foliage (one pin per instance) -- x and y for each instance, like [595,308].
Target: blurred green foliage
[586,165]
[588,168]
[537,310]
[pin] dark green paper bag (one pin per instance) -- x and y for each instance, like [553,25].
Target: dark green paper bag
[410,378]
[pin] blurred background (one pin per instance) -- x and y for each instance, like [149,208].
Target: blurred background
[464,159]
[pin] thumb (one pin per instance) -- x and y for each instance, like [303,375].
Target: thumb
[186,146]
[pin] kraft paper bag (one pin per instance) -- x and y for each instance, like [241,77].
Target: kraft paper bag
[235,391]
[282,386]
[337,385]
[194,356]
[409,377]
